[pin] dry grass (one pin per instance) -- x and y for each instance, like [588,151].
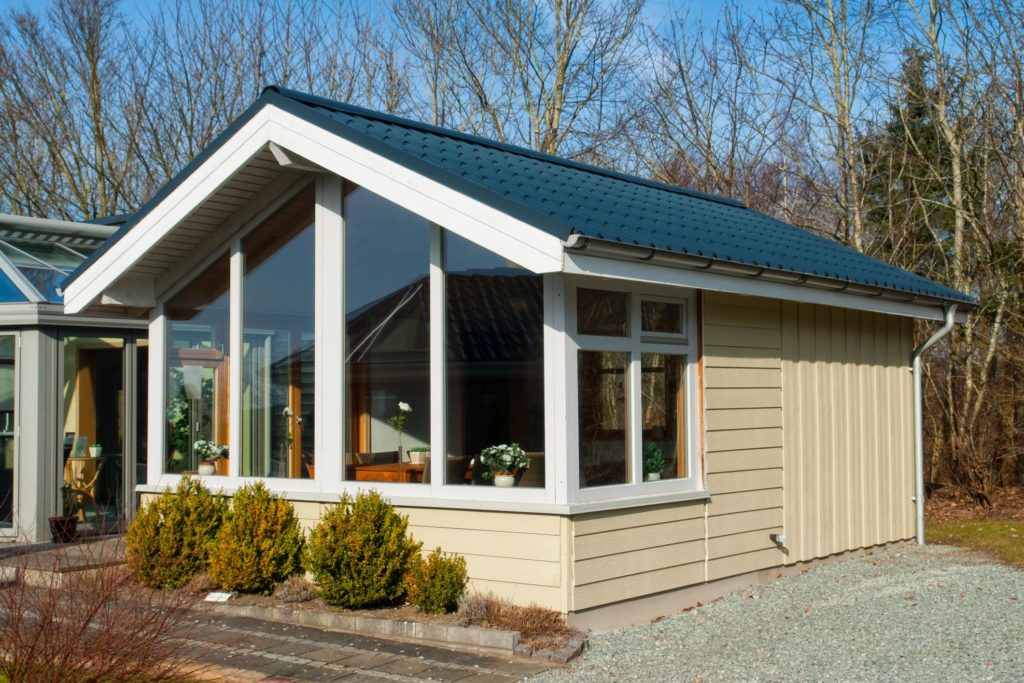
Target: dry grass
[88,625]
[295,589]
[541,628]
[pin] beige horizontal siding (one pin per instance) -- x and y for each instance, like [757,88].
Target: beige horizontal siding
[848,442]
[622,554]
[513,555]
[744,440]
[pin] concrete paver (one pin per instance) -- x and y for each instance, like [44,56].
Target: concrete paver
[243,648]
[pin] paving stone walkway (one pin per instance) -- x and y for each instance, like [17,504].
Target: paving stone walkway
[245,649]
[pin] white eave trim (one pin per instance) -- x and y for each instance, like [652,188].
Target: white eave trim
[581,263]
[492,229]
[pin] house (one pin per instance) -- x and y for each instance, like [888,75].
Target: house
[66,382]
[703,392]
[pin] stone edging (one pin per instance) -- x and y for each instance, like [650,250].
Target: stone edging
[471,638]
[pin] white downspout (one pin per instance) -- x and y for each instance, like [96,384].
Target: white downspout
[918,432]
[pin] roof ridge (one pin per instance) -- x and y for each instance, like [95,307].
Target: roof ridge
[315,100]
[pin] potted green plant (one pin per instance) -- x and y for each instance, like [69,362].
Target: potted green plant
[502,462]
[96,450]
[209,453]
[419,455]
[654,461]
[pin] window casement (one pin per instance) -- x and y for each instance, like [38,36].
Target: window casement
[635,353]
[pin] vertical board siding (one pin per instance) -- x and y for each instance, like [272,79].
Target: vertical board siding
[744,421]
[847,431]
[623,554]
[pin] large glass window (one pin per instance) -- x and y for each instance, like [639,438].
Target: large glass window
[495,362]
[197,368]
[387,314]
[278,352]
[8,454]
[603,418]
[94,421]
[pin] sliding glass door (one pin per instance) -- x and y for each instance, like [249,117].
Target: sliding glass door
[103,398]
[8,454]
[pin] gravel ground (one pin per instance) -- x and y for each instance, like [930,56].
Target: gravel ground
[904,614]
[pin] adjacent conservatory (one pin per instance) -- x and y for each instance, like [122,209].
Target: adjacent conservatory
[338,299]
[70,388]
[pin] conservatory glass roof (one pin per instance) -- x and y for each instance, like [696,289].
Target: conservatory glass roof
[34,259]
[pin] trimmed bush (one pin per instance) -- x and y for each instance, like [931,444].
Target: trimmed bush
[169,540]
[260,543]
[360,553]
[436,584]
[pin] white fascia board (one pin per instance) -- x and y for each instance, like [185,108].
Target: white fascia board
[492,229]
[595,266]
[162,219]
[474,220]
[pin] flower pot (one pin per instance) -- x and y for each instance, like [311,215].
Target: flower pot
[418,457]
[95,451]
[652,476]
[207,468]
[504,481]
[63,528]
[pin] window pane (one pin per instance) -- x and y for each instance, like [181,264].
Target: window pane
[93,428]
[603,418]
[495,362]
[387,309]
[7,422]
[197,367]
[663,402]
[661,316]
[277,343]
[603,313]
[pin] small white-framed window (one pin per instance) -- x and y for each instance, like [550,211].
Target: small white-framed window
[636,392]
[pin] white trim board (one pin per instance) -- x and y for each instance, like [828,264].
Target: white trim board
[492,229]
[596,266]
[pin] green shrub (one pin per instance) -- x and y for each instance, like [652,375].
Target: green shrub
[260,543]
[436,584]
[169,540]
[360,552]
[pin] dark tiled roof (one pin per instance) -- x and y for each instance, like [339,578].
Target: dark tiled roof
[562,198]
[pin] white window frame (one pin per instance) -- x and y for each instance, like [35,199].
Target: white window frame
[636,490]
[331,385]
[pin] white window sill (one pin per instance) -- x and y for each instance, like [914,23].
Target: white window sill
[531,507]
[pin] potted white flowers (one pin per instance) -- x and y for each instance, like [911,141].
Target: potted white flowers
[398,421]
[96,450]
[209,453]
[502,462]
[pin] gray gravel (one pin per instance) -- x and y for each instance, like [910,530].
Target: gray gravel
[904,614]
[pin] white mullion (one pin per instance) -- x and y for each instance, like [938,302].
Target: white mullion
[157,400]
[557,384]
[635,416]
[438,393]
[329,334]
[235,338]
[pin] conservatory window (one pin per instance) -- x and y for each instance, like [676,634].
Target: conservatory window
[494,366]
[197,369]
[387,314]
[278,351]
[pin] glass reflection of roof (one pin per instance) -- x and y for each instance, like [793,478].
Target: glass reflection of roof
[45,280]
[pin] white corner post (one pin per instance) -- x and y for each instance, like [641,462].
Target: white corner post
[947,326]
